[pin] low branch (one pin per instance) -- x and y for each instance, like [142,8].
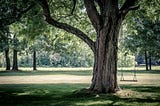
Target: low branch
[65,26]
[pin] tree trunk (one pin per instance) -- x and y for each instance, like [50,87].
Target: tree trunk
[7,59]
[15,63]
[150,62]
[34,60]
[105,62]
[146,59]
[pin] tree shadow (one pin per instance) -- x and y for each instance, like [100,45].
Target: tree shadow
[143,88]
[64,95]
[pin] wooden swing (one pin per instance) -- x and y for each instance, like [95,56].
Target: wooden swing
[134,77]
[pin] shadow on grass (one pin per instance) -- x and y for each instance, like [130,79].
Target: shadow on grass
[62,95]
[152,89]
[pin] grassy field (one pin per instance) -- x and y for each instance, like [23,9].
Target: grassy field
[56,88]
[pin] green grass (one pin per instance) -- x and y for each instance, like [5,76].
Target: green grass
[62,94]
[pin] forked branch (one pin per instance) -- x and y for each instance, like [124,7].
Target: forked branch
[64,26]
[92,13]
[129,5]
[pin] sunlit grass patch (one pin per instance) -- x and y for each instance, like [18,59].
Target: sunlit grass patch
[93,102]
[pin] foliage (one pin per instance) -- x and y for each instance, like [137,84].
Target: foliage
[143,30]
[12,10]
[4,38]
[59,53]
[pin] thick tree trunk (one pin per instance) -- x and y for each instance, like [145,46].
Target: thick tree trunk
[105,66]
[7,59]
[146,59]
[34,61]
[15,60]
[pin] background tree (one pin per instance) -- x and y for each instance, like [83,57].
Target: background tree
[4,44]
[144,31]
[18,44]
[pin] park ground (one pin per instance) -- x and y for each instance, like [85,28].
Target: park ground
[59,86]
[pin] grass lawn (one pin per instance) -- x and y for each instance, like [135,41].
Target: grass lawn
[58,89]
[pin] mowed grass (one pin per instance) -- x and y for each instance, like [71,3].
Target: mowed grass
[145,92]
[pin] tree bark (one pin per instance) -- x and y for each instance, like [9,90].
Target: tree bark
[7,59]
[34,61]
[105,62]
[146,59]
[15,60]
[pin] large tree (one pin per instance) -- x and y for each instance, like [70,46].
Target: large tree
[106,17]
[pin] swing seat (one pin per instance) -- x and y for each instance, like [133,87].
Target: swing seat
[129,80]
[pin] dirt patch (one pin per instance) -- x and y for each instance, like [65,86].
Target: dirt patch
[39,79]
[143,79]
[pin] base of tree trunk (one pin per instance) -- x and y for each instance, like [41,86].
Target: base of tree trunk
[8,69]
[87,92]
[105,92]
[16,70]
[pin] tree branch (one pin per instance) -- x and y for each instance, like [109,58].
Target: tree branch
[65,26]
[92,13]
[128,5]
[74,6]
[25,10]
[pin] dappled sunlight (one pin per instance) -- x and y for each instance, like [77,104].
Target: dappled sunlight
[95,102]
[63,95]
[33,92]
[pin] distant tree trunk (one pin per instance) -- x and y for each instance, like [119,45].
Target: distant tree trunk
[146,59]
[34,60]
[150,62]
[27,59]
[15,60]
[7,59]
